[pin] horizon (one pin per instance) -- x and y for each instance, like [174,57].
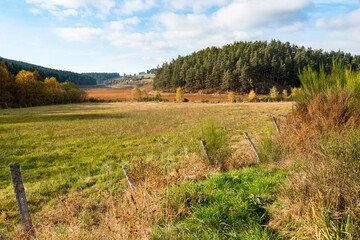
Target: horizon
[133,36]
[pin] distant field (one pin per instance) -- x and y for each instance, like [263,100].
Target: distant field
[125,94]
[64,148]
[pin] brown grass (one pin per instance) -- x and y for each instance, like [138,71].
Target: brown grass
[322,196]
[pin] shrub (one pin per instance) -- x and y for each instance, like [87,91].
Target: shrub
[240,99]
[179,95]
[252,96]
[231,97]
[340,78]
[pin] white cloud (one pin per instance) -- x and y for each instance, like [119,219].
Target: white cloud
[131,6]
[292,28]
[64,13]
[349,20]
[248,13]
[80,34]
[35,11]
[197,6]
[104,6]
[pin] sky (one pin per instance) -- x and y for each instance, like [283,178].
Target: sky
[130,36]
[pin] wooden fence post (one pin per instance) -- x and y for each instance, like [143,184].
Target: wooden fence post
[276,126]
[203,143]
[19,191]
[128,177]
[253,146]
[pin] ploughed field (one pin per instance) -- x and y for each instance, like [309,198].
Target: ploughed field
[81,147]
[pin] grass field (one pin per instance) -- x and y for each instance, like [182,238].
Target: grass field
[125,94]
[67,148]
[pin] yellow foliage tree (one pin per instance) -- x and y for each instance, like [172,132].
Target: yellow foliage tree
[32,91]
[54,89]
[295,92]
[231,97]
[157,95]
[252,96]
[179,95]
[6,85]
[273,92]
[136,93]
[284,93]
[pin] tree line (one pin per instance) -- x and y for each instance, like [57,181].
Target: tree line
[27,88]
[244,66]
[101,78]
[14,67]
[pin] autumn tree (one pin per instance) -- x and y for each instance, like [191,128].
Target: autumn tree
[55,91]
[6,85]
[136,93]
[31,90]
[73,93]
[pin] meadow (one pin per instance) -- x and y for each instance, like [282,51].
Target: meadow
[78,149]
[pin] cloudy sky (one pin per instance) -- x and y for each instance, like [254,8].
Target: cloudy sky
[130,36]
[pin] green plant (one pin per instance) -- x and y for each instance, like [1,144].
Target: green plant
[215,137]
[340,78]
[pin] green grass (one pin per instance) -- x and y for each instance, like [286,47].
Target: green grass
[62,148]
[227,206]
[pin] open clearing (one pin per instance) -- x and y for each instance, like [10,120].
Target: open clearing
[65,148]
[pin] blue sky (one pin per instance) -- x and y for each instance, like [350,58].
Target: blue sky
[130,36]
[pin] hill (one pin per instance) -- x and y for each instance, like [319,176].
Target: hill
[243,66]
[102,77]
[16,66]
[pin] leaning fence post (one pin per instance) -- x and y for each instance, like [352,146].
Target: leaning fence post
[19,191]
[128,177]
[276,126]
[253,146]
[203,143]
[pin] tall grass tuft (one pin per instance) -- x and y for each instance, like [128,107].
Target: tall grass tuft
[215,137]
[340,78]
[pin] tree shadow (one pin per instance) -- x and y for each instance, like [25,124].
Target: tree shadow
[59,117]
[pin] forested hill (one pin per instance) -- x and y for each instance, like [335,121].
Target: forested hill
[243,66]
[16,66]
[102,77]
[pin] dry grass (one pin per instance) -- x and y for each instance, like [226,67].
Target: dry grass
[320,139]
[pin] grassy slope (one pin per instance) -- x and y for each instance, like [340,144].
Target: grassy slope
[61,148]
